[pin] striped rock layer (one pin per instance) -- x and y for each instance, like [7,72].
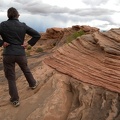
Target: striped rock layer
[92,58]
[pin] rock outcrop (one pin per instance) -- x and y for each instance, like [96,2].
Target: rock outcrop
[78,80]
[92,58]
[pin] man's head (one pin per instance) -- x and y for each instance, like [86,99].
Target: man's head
[12,13]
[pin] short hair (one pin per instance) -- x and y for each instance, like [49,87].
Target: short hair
[12,13]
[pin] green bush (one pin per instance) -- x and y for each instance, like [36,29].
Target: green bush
[75,35]
[29,48]
[27,53]
[39,49]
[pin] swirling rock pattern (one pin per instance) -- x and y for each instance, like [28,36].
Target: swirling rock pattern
[78,81]
[92,58]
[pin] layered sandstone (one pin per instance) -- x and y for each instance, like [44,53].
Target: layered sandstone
[78,80]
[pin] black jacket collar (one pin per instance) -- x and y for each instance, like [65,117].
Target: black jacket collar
[13,19]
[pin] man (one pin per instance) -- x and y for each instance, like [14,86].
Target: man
[13,33]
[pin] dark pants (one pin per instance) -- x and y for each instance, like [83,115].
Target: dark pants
[9,69]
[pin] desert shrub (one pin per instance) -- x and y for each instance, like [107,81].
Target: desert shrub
[75,35]
[39,49]
[29,48]
[27,53]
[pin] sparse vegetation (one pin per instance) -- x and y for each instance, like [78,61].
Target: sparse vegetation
[75,35]
[29,48]
[27,53]
[39,49]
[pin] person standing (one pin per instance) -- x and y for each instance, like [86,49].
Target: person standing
[13,32]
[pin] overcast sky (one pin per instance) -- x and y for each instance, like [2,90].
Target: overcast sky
[43,14]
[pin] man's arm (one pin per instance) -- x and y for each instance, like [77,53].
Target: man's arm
[4,44]
[1,43]
[34,34]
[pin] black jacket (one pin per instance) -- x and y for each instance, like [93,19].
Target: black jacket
[13,32]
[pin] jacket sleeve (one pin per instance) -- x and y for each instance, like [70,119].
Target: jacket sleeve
[1,41]
[34,34]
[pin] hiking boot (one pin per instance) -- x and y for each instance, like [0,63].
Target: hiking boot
[36,84]
[15,103]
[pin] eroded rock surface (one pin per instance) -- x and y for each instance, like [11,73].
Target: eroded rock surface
[92,58]
[78,81]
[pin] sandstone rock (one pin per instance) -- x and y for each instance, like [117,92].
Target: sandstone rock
[78,81]
[93,60]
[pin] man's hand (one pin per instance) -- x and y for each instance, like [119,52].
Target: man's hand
[5,44]
[25,45]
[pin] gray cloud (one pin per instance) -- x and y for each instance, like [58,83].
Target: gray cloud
[38,7]
[51,16]
[95,2]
